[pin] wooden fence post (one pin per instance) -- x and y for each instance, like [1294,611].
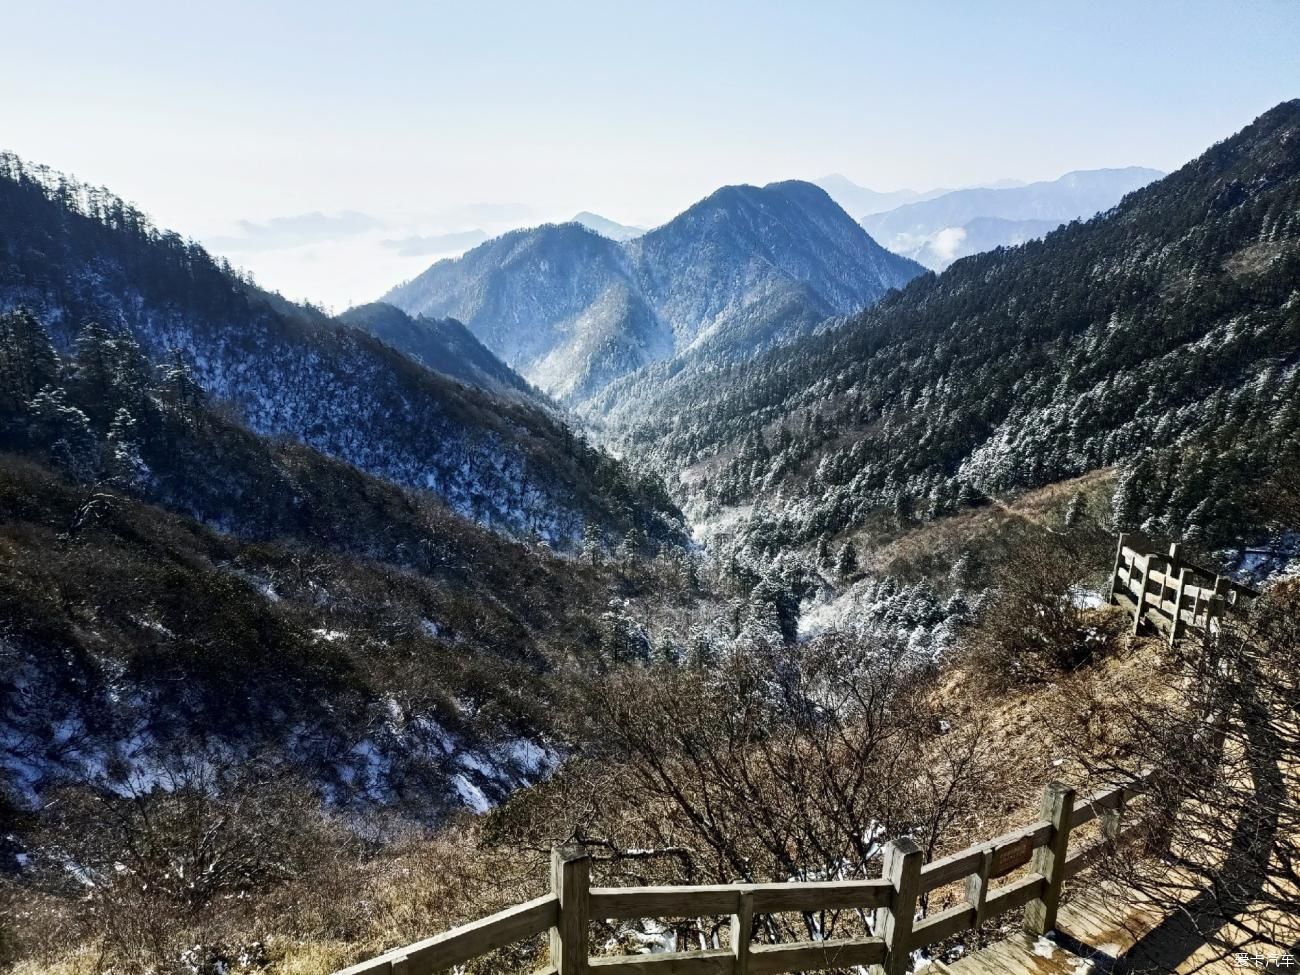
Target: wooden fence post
[1049,859]
[571,885]
[1176,630]
[1112,820]
[1114,574]
[1142,592]
[742,930]
[977,886]
[1217,603]
[902,868]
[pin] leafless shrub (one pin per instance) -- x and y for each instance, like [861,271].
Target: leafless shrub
[1038,623]
[164,870]
[787,762]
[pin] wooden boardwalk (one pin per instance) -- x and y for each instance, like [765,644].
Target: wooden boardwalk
[1100,930]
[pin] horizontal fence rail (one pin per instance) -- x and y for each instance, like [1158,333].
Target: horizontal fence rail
[566,913]
[1170,592]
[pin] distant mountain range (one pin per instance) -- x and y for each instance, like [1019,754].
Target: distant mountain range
[939,230]
[606,227]
[744,269]
[860,201]
[1161,337]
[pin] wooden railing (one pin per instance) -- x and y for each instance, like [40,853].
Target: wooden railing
[1169,591]
[568,910]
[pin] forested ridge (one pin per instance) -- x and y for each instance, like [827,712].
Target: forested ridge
[1160,337]
[176,584]
[76,254]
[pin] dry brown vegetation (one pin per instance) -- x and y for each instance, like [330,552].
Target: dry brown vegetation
[782,762]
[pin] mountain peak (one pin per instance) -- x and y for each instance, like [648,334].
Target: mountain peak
[743,268]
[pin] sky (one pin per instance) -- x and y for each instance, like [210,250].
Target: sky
[335,149]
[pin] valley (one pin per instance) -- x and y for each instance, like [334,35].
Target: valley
[318,632]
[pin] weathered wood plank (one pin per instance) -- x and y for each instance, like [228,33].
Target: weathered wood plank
[742,932]
[977,887]
[1049,858]
[571,888]
[713,962]
[902,868]
[1084,857]
[624,903]
[1010,852]
[945,924]
[379,965]
[468,941]
[816,955]
[1090,808]
[831,895]
[1018,893]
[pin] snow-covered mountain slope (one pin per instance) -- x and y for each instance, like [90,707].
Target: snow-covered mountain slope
[441,344]
[743,269]
[76,255]
[732,251]
[338,636]
[937,231]
[1161,336]
[177,586]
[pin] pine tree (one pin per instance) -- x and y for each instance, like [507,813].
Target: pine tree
[1126,502]
[1075,510]
[28,362]
[123,463]
[180,390]
[847,563]
[665,652]
[591,544]
[701,654]
[91,383]
[773,604]
[65,433]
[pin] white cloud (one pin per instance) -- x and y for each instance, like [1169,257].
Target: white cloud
[944,244]
[294,231]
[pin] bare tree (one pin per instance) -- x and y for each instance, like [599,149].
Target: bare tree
[787,763]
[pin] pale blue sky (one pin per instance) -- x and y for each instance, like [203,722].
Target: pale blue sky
[404,117]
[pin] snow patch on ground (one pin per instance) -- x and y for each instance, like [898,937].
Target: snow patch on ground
[470,794]
[1084,598]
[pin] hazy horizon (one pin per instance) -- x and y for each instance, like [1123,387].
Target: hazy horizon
[334,153]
